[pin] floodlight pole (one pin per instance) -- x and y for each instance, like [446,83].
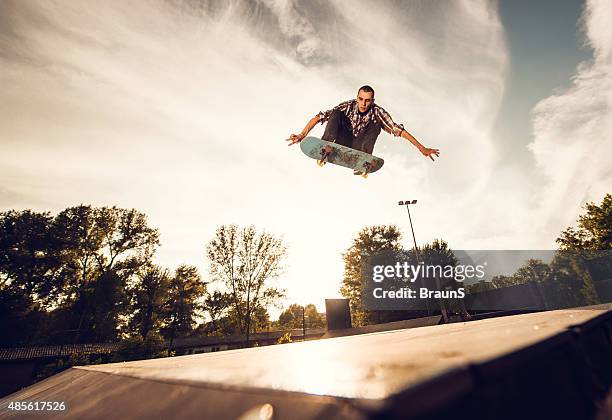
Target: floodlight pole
[416,249]
[407,203]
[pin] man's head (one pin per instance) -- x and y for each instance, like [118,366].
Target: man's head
[365,98]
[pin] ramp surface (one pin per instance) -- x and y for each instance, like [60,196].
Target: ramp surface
[340,377]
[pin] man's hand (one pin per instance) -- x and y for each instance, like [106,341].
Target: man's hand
[426,151]
[430,153]
[295,138]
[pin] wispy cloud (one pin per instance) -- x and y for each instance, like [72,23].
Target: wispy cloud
[180,110]
[573,131]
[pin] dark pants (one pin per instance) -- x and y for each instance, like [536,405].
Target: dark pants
[339,129]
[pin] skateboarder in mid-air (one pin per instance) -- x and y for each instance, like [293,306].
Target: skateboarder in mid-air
[357,124]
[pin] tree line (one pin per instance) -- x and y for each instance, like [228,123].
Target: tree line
[87,275]
[566,280]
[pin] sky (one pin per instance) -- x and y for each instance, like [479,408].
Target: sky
[180,110]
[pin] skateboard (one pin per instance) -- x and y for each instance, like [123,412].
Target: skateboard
[325,151]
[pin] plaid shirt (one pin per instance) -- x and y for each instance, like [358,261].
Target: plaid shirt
[360,121]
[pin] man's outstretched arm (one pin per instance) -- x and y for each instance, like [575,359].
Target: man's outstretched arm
[425,151]
[398,130]
[296,138]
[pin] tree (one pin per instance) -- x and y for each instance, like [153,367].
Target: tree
[103,248]
[534,270]
[291,318]
[570,283]
[29,264]
[150,300]
[29,254]
[186,289]
[370,241]
[225,325]
[480,287]
[314,319]
[103,239]
[73,268]
[500,281]
[438,254]
[21,321]
[590,240]
[216,305]
[284,339]
[244,261]
[594,231]
[260,319]
[137,348]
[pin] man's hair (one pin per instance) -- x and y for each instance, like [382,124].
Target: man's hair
[366,88]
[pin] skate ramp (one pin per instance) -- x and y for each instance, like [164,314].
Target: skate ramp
[555,363]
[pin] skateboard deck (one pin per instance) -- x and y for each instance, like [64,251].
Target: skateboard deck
[316,148]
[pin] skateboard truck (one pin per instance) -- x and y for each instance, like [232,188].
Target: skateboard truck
[366,166]
[325,152]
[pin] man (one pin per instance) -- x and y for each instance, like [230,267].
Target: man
[357,124]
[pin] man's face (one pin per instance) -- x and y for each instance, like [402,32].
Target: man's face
[364,100]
